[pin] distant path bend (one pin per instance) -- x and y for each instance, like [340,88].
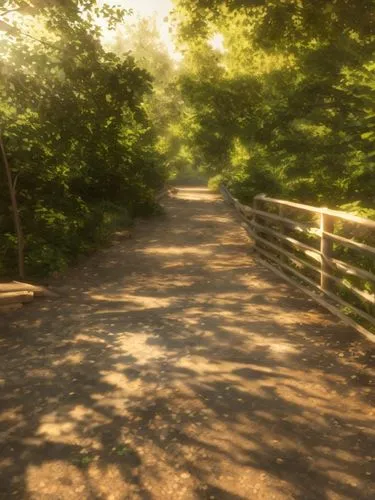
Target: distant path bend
[177,367]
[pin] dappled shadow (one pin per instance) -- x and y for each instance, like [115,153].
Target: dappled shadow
[176,366]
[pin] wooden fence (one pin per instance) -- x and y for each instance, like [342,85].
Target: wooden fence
[306,246]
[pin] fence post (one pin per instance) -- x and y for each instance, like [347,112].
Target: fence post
[326,246]
[255,207]
[282,257]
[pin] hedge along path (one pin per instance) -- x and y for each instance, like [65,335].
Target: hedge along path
[176,366]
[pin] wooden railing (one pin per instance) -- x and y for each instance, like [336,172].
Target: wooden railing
[302,244]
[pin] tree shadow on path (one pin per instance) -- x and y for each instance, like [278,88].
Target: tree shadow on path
[175,366]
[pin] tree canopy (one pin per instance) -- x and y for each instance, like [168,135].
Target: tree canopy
[288,106]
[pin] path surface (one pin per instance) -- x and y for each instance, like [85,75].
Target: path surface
[177,367]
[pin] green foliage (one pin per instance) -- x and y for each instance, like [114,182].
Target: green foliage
[77,133]
[287,107]
[164,106]
[215,182]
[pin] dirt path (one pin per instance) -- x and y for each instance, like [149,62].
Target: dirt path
[180,368]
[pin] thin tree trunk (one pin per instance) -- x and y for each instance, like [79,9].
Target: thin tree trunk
[16,215]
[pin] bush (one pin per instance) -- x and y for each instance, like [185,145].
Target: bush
[257,179]
[215,182]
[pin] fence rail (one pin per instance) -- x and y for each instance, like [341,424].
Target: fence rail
[312,264]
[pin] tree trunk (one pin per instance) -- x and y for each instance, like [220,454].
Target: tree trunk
[16,215]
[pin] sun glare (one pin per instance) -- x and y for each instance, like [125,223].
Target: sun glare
[217,42]
[159,9]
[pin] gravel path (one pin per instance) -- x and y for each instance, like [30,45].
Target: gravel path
[175,366]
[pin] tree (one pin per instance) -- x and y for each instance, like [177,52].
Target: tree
[76,132]
[293,88]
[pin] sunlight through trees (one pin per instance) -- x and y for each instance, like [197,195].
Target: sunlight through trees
[98,110]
